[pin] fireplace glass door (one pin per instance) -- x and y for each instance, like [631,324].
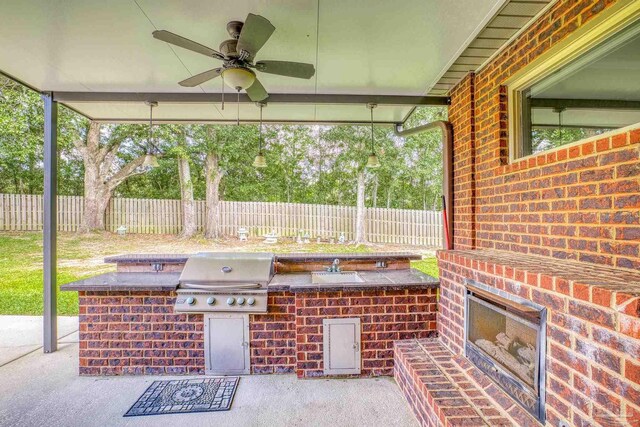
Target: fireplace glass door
[505,338]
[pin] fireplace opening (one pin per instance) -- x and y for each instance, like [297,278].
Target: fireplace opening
[505,337]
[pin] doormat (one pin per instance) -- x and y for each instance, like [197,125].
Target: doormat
[184,396]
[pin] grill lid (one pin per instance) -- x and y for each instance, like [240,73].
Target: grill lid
[207,268]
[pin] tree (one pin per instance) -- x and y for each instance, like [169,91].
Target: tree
[213,175]
[354,143]
[189,226]
[104,169]
[361,232]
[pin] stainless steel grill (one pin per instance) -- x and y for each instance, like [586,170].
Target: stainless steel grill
[225,282]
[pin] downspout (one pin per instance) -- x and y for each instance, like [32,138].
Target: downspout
[447,159]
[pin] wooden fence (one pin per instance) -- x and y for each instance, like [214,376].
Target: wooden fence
[23,212]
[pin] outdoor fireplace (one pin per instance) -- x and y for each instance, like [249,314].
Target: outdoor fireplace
[505,337]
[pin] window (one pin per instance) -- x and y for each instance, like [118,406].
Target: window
[593,93]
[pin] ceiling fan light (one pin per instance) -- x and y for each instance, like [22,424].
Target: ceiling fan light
[260,161]
[238,78]
[150,161]
[372,161]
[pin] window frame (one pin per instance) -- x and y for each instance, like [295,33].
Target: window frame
[597,31]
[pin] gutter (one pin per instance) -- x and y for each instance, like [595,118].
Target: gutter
[447,160]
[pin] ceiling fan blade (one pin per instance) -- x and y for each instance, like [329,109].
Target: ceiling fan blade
[185,43]
[198,79]
[257,92]
[285,68]
[255,33]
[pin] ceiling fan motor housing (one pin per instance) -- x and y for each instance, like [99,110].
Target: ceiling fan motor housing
[234,28]
[228,48]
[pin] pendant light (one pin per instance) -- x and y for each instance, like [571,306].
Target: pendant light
[260,161]
[559,111]
[372,161]
[150,160]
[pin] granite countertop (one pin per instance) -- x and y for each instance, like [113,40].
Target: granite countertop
[294,282]
[292,257]
[126,282]
[372,280]
[148,258]
[374,256]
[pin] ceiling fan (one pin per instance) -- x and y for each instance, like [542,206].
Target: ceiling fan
[237,55]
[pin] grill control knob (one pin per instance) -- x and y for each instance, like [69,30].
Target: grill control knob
[211,300]
[191,300]
[240,301]
[251,301]
[231,301]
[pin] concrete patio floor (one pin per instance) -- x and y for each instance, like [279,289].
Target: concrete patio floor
[45,389]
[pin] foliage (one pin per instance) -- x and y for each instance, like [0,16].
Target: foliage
[548,138]
[306,164]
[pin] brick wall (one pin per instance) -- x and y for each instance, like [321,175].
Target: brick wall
[462,118]
[385,316]
[273,336]
[138,333]
[593,329]
[581,202]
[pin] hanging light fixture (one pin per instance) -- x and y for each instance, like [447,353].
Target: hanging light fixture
[372,161]
[260,161]
[559,111]
[238,78]
[150,160]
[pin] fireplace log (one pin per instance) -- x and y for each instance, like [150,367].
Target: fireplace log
[502,355]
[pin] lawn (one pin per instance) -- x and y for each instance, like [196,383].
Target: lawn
[82,256]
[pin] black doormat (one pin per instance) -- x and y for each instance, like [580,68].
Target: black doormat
[183,396]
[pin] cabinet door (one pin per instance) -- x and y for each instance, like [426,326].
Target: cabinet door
[341,339]
[226,344]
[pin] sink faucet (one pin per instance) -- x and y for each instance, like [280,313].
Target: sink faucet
[334,266]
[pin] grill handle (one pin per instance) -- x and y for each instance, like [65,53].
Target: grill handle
[216,287]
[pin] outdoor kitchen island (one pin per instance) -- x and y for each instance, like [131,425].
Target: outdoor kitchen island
[316,323]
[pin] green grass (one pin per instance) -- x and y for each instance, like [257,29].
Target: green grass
[427,265]
[81,256]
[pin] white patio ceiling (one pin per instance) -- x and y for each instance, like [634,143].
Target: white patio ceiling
[359,47]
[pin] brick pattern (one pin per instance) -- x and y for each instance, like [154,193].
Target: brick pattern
[385,316]
[273,336]
[141,267]
[462,118]
[444,389]
[138,333]
[593,328]
[581,202]
[355,265]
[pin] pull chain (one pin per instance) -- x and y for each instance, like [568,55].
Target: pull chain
[372,150]
[222,92]
[238,107]
[150,129]
[260,138]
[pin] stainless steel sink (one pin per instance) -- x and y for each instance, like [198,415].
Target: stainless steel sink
[337,277]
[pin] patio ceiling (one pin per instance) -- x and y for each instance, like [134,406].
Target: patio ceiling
[364,48]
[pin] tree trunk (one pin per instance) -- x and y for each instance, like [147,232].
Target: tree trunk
[186,199]
[96,199]
[102,175]
[375,191]
[360,212]
[213,176]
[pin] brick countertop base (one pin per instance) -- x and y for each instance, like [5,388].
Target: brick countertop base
[446,390]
